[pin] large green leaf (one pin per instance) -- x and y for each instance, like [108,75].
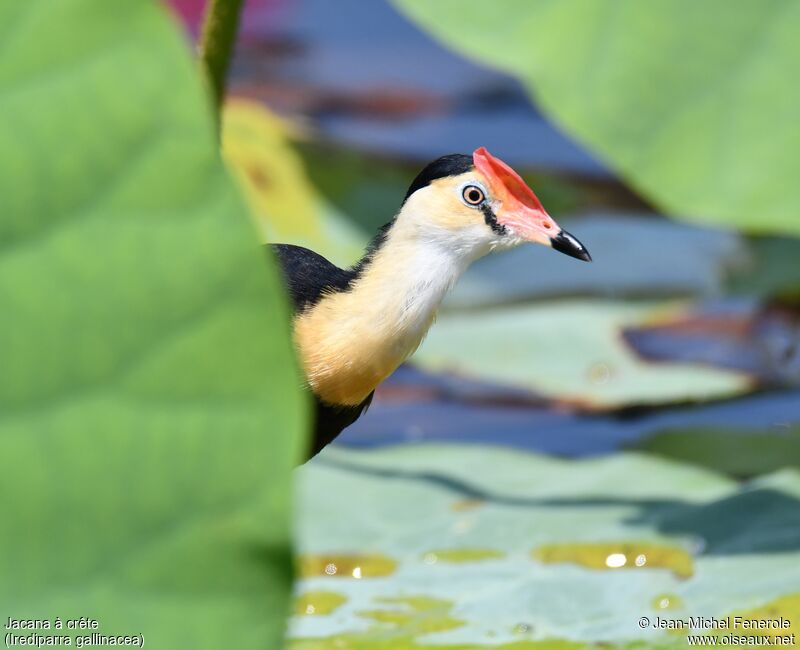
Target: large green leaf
[483,547]
[149,415]
[693,102]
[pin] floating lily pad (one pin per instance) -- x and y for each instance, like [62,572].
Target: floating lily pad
[461,555]
[691,539]
[738,334]
[343,565]
[771,269]
[318,603]
[605,556]
[413,615]
[735,451]
[571,350]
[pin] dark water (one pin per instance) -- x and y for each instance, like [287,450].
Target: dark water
[369,79]
[414,407]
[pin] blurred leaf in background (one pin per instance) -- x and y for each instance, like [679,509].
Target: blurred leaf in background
[370,188]
[149,405]
[773,270]
[287,207]
[692,102]
[742,453]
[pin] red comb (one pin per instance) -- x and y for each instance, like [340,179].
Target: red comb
[500,174]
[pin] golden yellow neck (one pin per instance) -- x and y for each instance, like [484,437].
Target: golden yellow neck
[351,341]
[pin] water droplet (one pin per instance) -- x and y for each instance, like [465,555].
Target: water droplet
[599,373]
[463,526]
[641,559]
[319,603]
[613,555]
[343,565]
[466,504]
[523,628]
[616,560]
[667,601]
[357,573]
[430,558]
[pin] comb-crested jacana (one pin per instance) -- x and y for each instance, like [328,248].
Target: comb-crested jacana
[354,327]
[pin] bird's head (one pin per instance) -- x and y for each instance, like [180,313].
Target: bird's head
[477,203]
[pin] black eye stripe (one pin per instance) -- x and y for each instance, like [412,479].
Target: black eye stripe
[491,220]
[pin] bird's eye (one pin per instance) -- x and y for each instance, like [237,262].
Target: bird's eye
[473,195]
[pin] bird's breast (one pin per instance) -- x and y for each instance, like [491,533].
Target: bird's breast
[347,347]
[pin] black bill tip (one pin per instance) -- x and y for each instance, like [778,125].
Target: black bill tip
[565,243]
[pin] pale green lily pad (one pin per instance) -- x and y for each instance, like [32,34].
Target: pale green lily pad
[692,102]
[736,547]
[149,409]
[569,350]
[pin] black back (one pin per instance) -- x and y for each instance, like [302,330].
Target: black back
[309,276]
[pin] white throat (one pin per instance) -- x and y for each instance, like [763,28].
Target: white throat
[411,276]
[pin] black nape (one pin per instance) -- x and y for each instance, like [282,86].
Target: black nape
[372,249]
[450,165]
